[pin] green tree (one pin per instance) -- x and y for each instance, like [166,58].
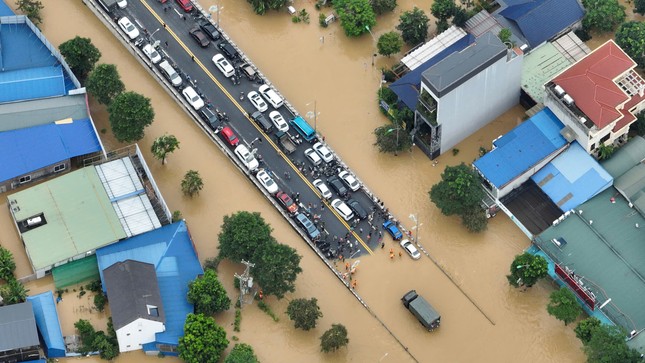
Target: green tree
[86,333]
[442,25]
[32,9]
[260,7]
[130,114]
[203,342]
[564,306]
[607,345]
[443,9]
[458,191]
[276,268]
[164,145]
[99,301]
[639,7]
[527,269]
[107,350]
[356,16]
[334,338]
[413,26]
[104,83]
[475,219]
[241,353]
[460,18]
[13,292]
[242,234]
[603,15]
[383,6]
[505,35]
[605,151]
[389,43]
[304,313]
[639,126]
[7,264]
[207,294]
[192,183]
[585,329]
[392,139]
[81,56]
[630,37]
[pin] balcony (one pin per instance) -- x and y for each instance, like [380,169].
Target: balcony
[427,108]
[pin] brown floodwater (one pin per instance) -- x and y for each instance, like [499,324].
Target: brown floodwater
[483,318]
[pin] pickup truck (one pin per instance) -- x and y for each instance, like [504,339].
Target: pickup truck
[286,142]
[422,310]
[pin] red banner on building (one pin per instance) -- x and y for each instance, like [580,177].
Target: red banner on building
[579,290]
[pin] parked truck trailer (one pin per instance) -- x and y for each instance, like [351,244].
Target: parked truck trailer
[422,310]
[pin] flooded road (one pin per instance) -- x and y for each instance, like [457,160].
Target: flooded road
[338,76]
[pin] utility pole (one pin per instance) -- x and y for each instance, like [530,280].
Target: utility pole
[246,284]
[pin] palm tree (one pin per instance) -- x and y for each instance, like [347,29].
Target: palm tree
[164,145]
[192,183]
[14,292]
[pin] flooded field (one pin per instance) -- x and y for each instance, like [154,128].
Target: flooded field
[483,318]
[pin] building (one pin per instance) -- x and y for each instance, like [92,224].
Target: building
[135,303]
[170,251]
[18,334]
[598,97]
[53,343]
[465,91]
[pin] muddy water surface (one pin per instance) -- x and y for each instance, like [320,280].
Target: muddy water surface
[501,325]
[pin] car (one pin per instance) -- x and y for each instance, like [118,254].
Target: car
[324,152]
[129,28]
[313,157]
[228,50]
[170,73]
[337,186]
[248,71]
[285,200]
[246,158]
[187,5]
[257,101]
[308,225]
[199,36]
[223,65]
[393,230]
[357,208]
[229,136]
[259,119]
[278,121]
[209,117]
[267,182]
[122,3]
[151,53]
[410,249]
[322,188]
[342,209]
[350,180]
[271,96]
[210,29]
[193,98]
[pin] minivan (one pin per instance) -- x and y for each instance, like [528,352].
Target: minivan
[262,121]
[170,73]
[271,96]
[228,50]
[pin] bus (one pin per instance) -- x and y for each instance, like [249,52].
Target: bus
[303,128]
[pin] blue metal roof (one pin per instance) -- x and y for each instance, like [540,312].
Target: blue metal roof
[30,83]
[170,250]
[522,148]
[407,87]
[5,10]
[48,324]
[32,148]
[540,20]
[572,178]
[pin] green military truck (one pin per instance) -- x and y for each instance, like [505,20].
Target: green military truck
[422,310]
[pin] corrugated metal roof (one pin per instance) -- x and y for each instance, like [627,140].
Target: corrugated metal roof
[522,148]
[632,186]
[626,157]
[17,327]
[572,178]
[31,83]
[79,217]
[5,10]
[48,324]
[18,115]
[433,47]
[539,67]
[481,23]
[25,150]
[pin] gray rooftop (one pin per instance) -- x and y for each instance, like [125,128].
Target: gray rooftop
[459,67]
[626,157]
[19,115]
[132,288]
[17,327]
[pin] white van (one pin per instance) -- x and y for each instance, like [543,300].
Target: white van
[170,73]
[271,96]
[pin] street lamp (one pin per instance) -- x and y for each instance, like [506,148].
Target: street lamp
[314,115]
[373,56]
[413,217]
[216,8]
[153,33]
[368,29]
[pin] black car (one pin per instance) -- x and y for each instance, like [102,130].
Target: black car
[338,186]
[229,51]
[262,121]
[210,117]
[199,37]
[358,209]
[210,30]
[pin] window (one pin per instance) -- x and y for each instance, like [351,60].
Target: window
[24,179]
[59,168]
[153,310]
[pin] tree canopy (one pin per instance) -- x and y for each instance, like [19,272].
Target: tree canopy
[32,9]
[639,7]
[104,83]
[389,43]
[443,9]
[458,191]
[607,345]
[413,25]
[564,306]
[241,353]
[630,37]
[334,338]
[7,264]
[164,145]
[192,183]
[639,126]
[207,294]
[304,313]
[242,234]
[392,139]
[383,6]
[585,329]
[356,16]
[603,15]
[276,268]
[203,342]
[130,114]
[13,292]
[81,56]
[260,7]
[527,269]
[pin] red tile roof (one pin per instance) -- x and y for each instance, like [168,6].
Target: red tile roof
[590,82]
[628,117]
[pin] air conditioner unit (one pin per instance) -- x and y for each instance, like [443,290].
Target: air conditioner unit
[567,99]
[558,90]
[583,120]
[34,221]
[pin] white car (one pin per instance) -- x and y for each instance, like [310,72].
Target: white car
[342,209]
[246,157]
[122,3]
[322,188]
[349,180]
[410,249]
[278,121]
[193,98]
[271,96]
[324,152]
[257,101]
[223,65]
[129,28]
[151,53]
[267,182]
[313,157]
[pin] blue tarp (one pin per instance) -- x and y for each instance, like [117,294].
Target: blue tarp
[48,324]
[572,178]
[170,249]
[25,150]
[522,148]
